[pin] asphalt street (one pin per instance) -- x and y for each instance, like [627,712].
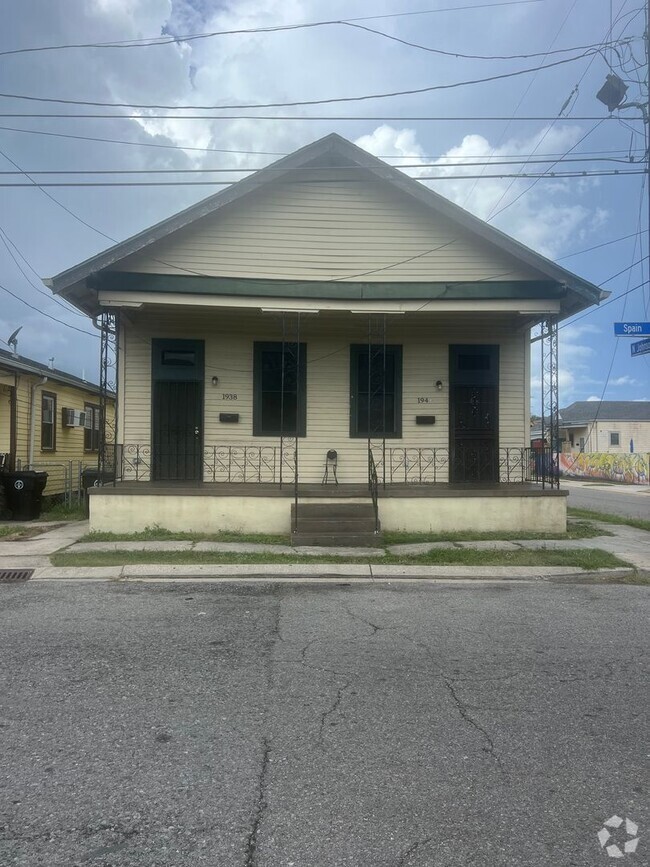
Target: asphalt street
[302,725]
[631,501]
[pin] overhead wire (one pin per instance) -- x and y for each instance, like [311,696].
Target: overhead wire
[214,183]
[272,153]
[495,210]
[153,41]
[521,100]
[433,88]
[6,240]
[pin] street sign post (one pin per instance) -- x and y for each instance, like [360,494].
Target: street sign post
[632,329]
[640,348]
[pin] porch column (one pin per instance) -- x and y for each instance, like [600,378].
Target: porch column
[107,458]
[550,401]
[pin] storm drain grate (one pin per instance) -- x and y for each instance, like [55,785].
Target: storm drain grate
[11,576]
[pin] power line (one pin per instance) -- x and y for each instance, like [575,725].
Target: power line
[458,54]
[308,169]
[272,153]
[598,246]
[6,240]
[213,183]
[43,313]
[148,42]
[304,102]
[324,118]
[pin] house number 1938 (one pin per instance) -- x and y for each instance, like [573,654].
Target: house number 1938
[228,396]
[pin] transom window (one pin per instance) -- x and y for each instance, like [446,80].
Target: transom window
[375,391]
[279,389]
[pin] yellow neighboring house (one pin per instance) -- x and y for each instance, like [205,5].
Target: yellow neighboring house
[49,421]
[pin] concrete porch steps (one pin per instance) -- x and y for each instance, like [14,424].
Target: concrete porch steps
[351,525]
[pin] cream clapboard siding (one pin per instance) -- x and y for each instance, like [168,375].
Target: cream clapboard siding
[322,231]
[229,355]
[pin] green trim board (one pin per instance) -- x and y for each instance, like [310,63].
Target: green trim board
[181,284]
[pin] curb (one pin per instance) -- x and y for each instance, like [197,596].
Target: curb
[325,573]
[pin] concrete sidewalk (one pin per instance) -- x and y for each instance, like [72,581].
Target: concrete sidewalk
[627,543]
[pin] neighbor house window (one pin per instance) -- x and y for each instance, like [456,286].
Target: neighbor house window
[279,389]
[614,439]
[91,431]
[375,391]
[48,422]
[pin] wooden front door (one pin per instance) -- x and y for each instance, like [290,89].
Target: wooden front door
[177,410]
[474,413]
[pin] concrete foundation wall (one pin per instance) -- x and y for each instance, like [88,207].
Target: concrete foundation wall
[130,513]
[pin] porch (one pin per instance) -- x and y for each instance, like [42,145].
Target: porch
[241,491]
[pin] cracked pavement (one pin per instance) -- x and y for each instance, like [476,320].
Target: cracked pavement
[168,725]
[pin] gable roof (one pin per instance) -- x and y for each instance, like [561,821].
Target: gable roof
[20,364]
[328,152]
[585,411]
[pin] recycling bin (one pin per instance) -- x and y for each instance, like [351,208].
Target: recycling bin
[90,478]
[24,493]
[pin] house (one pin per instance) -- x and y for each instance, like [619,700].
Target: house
[616,426]
[323,335]
[49,421]
[607,439]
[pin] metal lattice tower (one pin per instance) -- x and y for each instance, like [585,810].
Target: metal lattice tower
[550,399]
[107,457]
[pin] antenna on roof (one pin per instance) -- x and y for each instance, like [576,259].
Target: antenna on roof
[13,342]
[51,362]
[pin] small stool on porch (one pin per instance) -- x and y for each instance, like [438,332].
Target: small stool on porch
[331,459]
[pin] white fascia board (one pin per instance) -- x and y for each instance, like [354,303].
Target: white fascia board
[110,298]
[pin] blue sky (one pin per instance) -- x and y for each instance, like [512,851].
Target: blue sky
[557,217]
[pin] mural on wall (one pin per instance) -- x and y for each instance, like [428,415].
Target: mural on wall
[634,469]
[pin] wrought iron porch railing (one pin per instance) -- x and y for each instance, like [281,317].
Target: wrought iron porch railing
[391,465]
[414,465]
[373,485]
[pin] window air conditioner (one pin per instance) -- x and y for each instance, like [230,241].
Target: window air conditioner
[74,418]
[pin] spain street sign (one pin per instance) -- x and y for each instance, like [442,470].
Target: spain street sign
[632,329]
[640,348]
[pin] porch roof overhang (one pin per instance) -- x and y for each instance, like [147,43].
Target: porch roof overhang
[116,289]
[420,304]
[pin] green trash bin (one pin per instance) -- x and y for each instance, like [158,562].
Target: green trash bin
[24,493]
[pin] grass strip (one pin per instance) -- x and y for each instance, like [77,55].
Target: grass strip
[576,530]
[7,531]
[580,559]
[607,518]
[61,512]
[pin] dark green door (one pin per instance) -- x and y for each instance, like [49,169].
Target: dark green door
[474,413]
[177,412]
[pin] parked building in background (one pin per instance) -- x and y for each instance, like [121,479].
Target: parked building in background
[49,421]
[614,426]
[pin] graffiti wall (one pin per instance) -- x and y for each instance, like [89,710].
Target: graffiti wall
[634,469]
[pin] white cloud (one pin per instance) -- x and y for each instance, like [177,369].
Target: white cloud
[593,398]
[624,380]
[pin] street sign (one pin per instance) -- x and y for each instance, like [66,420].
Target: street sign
[632,329]
[640,348]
